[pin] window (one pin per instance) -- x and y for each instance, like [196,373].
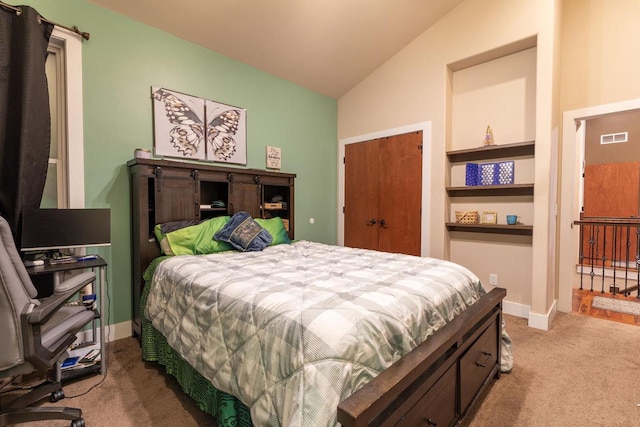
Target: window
[56,189]
[64,187]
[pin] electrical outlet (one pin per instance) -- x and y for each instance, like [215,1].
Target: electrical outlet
[493,279]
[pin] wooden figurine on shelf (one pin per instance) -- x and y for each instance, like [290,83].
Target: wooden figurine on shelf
[488,136]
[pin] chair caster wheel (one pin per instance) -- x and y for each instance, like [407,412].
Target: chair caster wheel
[77,423]
[57,395]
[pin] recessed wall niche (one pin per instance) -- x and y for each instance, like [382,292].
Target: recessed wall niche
[498,89]
[500,93]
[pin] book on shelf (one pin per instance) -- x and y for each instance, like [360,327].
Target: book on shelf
[81,357]
[70,362]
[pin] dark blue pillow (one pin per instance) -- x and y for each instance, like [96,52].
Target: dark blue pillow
[244,234]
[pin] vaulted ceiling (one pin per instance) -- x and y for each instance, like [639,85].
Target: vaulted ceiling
[325,45]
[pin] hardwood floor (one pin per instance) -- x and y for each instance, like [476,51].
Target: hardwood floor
[583,304]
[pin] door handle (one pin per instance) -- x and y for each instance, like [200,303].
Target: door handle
[383,223]
[371,222]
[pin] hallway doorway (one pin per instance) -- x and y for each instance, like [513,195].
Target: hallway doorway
[573,190]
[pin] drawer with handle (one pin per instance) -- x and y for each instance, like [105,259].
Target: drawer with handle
[437,407]
[477,364]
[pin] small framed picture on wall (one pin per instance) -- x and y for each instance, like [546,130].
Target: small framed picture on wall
[274,157]
[489,217]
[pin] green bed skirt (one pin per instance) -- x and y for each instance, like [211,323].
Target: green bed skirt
[228,410]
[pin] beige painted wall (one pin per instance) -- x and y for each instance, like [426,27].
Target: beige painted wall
[596,153]
[415,86]
[600,45]
[500,93]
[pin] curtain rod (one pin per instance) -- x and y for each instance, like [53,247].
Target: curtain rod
[74,29]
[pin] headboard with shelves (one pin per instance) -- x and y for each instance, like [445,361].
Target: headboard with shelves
[164,191]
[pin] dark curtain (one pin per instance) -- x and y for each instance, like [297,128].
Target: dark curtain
[25,122]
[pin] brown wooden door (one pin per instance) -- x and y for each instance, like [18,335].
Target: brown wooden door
[400,193]
[383,194]
[612,189]
[361,195]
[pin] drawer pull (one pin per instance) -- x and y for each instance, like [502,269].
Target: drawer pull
[484,364]
[432,423]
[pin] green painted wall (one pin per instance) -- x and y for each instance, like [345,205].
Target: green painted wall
[124,58]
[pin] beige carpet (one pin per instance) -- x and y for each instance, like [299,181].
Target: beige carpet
[134,394]
[583,372]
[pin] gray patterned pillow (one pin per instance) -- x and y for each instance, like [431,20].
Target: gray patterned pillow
[244,234]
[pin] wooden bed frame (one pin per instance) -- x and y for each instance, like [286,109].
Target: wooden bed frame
[437,383]
[434,385]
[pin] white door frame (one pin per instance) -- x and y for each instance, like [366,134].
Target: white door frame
[572,190]
[425,127]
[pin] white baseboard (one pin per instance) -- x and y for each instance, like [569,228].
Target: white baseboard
[538,321]
[119,331]
[543,321]
[112,332]
[516,309]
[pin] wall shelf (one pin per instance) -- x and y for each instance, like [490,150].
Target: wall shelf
[519,149]
[491,190]
[523,230]
[490,152]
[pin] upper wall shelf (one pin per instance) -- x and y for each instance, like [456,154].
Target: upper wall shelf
[519,149]
[491,190]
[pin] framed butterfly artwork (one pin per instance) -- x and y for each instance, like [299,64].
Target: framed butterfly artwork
[195,128]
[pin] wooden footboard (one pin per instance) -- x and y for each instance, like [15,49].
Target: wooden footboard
[437,382]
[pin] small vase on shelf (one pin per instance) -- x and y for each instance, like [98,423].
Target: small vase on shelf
[488,136]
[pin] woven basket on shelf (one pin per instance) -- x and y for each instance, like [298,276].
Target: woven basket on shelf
[467,217]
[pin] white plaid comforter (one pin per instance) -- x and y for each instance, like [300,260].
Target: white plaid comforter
[293,330]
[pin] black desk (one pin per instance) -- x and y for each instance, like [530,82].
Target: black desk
[45,278]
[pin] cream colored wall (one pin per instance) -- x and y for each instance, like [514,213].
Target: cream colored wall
[415,86]
[599,75]
[600,45]
[500,93]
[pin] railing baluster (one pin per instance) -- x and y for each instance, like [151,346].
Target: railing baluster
[626,260]
[592,245]
[581,256]
[604,255]
[638,262]
[613,257]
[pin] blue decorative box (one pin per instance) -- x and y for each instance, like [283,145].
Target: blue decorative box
[496,173]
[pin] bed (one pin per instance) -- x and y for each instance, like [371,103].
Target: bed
[307,334]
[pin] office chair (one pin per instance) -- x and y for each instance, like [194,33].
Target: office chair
[35,334]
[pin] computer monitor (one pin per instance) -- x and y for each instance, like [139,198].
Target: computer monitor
[53,229]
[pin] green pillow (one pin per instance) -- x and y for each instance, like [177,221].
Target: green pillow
[198,239]
[161,230]
[275,227]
